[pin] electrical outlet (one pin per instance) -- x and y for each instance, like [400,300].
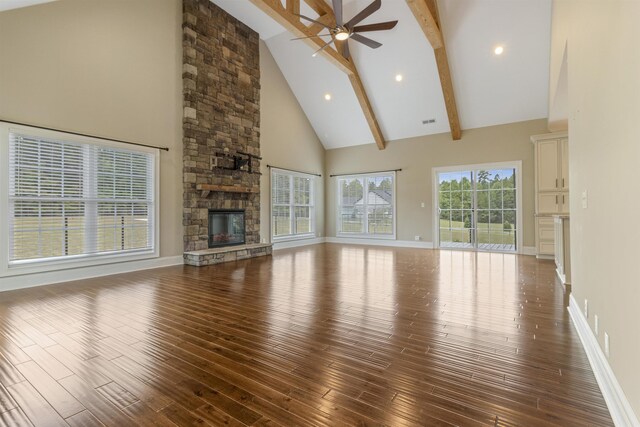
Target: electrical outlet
[586,308]
[607,347]
[422,205]
[597,324]
[585,199]
[417,238]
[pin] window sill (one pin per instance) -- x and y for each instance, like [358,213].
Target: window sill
[76,262]
[293,238]
[367,236]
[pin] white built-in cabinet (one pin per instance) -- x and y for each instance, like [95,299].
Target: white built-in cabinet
[551,153]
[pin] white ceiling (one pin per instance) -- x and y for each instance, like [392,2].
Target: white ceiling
[489,89]
[16,4]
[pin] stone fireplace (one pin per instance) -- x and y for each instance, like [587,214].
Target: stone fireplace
[221,126]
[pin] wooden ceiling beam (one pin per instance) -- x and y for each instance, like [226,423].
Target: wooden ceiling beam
[426,13]
[292,23]
[293,6]
[427,21]
[363,99]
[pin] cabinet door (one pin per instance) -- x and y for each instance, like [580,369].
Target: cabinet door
[548,203]
[547,165]
[564,164]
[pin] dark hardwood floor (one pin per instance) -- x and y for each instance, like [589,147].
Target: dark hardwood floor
[322,335]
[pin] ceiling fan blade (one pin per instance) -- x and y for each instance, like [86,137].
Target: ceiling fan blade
[364,13]
[337,11]
[366,41]
[312,20]
[310,37]
[375,27]
[322,48]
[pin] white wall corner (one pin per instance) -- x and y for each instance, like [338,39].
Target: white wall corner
[618,404]
[10,283]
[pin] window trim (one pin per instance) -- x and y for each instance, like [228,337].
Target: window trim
[312,206]
[73,261]
[340,233]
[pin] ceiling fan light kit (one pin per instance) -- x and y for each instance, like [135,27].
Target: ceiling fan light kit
[342,35]
[351,30]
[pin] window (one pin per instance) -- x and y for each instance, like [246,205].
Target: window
[72,198]
[366,205]
[292,207]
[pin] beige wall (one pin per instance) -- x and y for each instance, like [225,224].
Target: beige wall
[603,39]
[287,139]
[114,69]
[417,156]
[107,68]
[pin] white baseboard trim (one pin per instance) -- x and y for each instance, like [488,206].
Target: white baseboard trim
[380,242]
[562,277]
[50,277]
[619,407]
[297,243]
[529,250]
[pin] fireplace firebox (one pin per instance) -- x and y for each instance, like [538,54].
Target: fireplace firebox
[226,227]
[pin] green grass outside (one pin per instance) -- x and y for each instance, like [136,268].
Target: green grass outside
[52,236]
[487,233]
[281,226]
[384,226]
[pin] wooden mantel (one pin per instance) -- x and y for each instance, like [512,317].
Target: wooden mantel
[207,188]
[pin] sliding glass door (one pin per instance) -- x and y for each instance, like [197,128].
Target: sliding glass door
[477,207]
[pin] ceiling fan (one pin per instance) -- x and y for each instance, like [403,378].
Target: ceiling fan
[351,30]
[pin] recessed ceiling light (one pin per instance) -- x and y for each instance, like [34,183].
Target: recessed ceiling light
[398,77]
[327,97]
[498,50]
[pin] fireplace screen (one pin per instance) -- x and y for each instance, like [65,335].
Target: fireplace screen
[226,228]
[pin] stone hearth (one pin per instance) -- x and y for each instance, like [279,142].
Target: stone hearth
[226,254]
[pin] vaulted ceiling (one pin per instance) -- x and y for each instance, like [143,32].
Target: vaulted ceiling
[489,89]
[16,4]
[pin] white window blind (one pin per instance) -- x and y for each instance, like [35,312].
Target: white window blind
[292,207]
[71,199]
[366,205]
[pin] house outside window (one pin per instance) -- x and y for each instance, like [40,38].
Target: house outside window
[366,206]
